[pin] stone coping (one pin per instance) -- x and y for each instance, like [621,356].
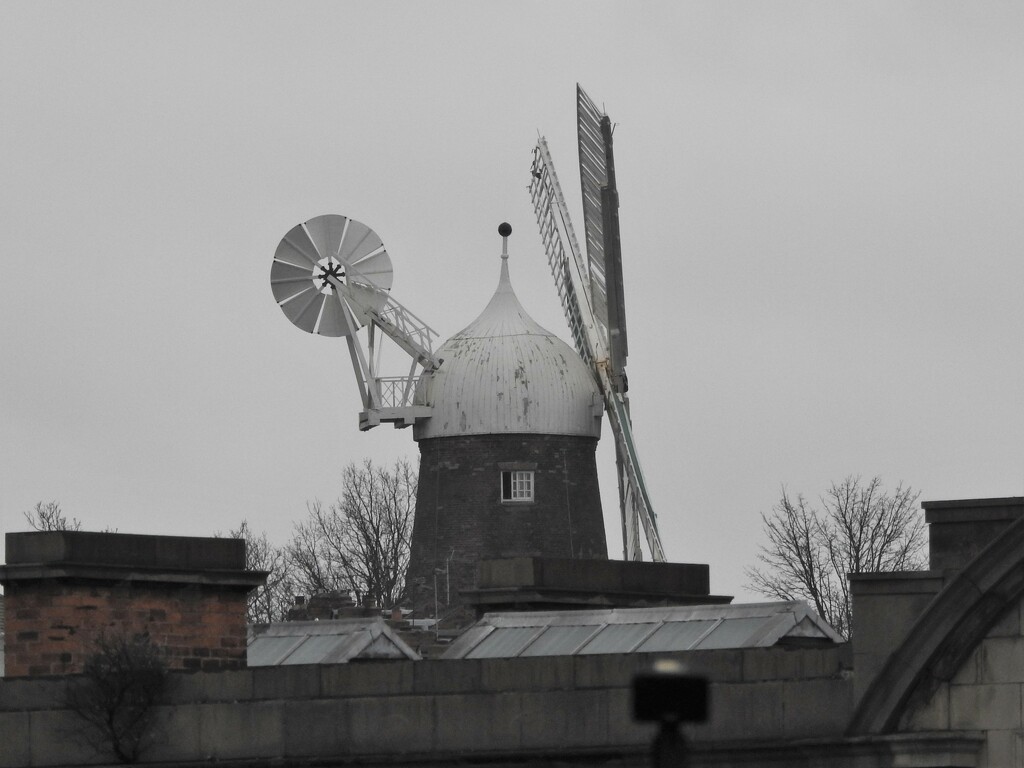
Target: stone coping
[896,582]
[595,575]
[591,599]
[14,574]
[973,510]
[177,553]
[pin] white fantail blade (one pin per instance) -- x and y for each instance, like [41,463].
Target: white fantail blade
[326,265]
[360,241]
[332,318]
[293,304]
[287,280]
[296,248]
[326,233]
[303,311]
[331,276]
[373,270]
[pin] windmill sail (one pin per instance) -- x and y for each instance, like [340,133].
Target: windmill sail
[582,289]
[601,224]
[567,267]
[593,177]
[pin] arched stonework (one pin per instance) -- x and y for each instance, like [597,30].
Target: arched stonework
[945,637]
[983,696]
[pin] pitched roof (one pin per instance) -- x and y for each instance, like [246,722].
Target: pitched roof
[324,642]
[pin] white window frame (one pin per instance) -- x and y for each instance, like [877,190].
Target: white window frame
[517,486]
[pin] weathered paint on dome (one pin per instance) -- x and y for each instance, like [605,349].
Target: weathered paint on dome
[505,374]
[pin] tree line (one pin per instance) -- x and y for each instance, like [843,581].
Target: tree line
[357,545]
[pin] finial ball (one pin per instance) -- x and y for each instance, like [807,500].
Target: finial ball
[504,229]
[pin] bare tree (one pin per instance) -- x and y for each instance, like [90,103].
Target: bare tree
[47,516]
[360,544]
[271,601]
[116,693]
[860,528]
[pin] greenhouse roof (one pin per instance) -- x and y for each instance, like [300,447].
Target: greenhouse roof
[324,642]
[641,630]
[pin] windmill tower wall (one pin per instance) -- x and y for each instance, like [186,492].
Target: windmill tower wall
[507,458]
[461,518]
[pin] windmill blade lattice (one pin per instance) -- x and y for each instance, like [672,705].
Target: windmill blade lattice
[329,274]
[575,283]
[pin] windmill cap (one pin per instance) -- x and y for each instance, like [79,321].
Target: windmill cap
[504,373]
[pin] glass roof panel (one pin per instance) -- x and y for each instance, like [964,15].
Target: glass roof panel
[618,638]
[267,651]
[558,641]
[735,633]
[675,636]
[503,642]
[316,648]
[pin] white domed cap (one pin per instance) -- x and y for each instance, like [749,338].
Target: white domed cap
[504,374]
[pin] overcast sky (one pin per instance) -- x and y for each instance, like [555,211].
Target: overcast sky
[821,215]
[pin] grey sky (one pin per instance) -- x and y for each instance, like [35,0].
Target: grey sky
[821,221]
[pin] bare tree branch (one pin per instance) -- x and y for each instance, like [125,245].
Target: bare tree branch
[860,529]
[360,544]
[271,601]
[116,694]
[49,517]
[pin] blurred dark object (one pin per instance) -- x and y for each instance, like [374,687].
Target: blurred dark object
[665,694]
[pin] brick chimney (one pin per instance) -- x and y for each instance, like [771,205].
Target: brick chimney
[63,589]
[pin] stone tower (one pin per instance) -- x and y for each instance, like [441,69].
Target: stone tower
[507,458]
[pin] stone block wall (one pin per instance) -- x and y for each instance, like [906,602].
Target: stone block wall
[885,607]
[986,695]
[548,710]
[959,529]
[953,636]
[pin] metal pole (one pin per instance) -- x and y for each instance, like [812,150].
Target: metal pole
[448,578]
[669,747]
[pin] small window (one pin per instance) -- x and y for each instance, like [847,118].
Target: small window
[517,485]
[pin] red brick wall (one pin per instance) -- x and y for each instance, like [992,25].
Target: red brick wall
[51,625]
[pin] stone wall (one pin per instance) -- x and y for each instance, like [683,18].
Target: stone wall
[885,607]
[986,695]
[959,529]
[942,651]
[546,710]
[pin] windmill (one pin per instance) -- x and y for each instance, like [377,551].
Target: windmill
[332,276]
[507,423]
[591,293]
